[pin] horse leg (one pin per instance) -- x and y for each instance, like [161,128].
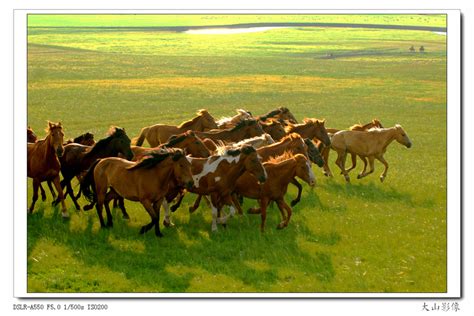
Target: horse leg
[71,194]
[364,159]
[108,197]
[149,208]
[371,163]
[178,203]
[235,201]
[50,186]
[43,194]
[215,212]
[121,205]
[300,189]
[384,173]
[156,208]
[282,204]
[341,163]
[325,153]
[57,200]
[36,185]
[263,214]
[354,162]
[57,184]
[196,204]
[167,220]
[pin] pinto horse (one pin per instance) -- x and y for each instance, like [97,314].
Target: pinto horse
[43,163]
[281,171]
[229,122]
[310,128]
[244,129]
[216,176]
[146,181]
[160,133]
[280,113]
[371,144]
[375,123]
[78,158]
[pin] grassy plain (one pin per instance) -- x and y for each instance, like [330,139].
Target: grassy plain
[362,237]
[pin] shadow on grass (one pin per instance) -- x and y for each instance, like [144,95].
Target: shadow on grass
[191,258]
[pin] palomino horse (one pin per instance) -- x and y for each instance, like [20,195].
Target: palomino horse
[229,122]
[146,181]
[310,128]
[280,113]
[78,158]
[43,162]
[160,133]
[281,171]
[357,127]
[216,176]
[274,128]
[245,129]
[371,144]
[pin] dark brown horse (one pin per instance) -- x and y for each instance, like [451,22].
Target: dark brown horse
[280,171]
[274,128]
[43,162]
[243,130]
[160,133]
[31,136]
[84,139]
[280,113]
[146,181]
[78,158]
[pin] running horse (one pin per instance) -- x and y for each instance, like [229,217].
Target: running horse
[274,128]
[375,123]
[371,144]
[281,113]
[146,181]
[160,133]
[243,130]
[229,122]
[43,163]
[281,171]
[310,128]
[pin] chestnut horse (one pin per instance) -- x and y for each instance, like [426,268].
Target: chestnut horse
[43,163]
[274,128]
[160,133]
[229,122]
[146,181]
[31,136]
[371,144]
[245,129]
[310,128]
[280,113]
[78,158]
[357,127]
[281,171]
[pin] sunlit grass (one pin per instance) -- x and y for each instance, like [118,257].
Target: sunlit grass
[362,237]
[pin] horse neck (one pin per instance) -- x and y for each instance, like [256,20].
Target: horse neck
[164,171]
[47,149]
[283,171]
[273,149]
[388,136]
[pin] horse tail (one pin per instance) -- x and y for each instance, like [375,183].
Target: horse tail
[138,141]
[87,182]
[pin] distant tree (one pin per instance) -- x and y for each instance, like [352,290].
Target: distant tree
[412,48]
[422,49]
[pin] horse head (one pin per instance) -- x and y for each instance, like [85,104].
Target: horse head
[275,129]
[304,170]
[313,153]
[286,115]
[30,135]
[56,137]
[377,123]
[207,121]
[182,168]
[120,142]
[401,136]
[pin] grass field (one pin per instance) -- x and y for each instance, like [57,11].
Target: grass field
[362,237]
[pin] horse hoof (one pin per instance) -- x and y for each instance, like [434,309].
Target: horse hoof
[191,209]
[293,203]
[87,208]
[110,225]
[253,211]
[173,208]
[65,215]
[359,176]
[159,235]
[142,231]
[168,224]
[381,179]
[126,217]
[43,198]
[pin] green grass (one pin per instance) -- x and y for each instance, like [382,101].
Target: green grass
[362,237]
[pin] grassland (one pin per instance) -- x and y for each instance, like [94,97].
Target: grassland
[363,237]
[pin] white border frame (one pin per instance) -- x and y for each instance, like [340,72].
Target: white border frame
[453,159]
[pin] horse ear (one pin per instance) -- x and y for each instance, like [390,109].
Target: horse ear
[60,125]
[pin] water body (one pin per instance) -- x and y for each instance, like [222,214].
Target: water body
[232,30]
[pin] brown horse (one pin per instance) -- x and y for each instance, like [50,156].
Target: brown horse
[216,176]
[31,136]
[43,162]
[281,171]
[160,133]
[371,144]
[375,123]
[280,113]
[84,139]
[245,129]
[188,141]
[310,128]
[229,122]
[146,181]
[78,158]
[274,128]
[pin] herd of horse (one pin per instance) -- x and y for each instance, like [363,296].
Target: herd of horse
[222,161]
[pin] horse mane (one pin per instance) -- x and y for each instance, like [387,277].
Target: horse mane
[52,126]
[190,122]
[155,157]
[226,119]
[290,136]
[277,159]
[243,123]
[113,132]
[175,139]
[271,114]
